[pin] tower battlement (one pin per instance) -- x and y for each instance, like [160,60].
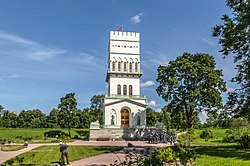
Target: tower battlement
[121,35]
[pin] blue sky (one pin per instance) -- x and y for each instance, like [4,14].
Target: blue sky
[51,47]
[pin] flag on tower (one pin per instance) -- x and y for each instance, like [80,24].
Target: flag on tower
[119,29]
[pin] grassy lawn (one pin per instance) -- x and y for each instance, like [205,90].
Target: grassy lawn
[17,134]
[222,156]
[12,147]
[215,152]
[50,154]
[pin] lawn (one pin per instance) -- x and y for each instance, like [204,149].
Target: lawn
[222,156]
[17,134]
[215,152]
[50,154]
[12,147]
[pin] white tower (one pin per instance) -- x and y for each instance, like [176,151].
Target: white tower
[123,105]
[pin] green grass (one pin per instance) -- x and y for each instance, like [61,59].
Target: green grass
[50,154]
[222,156]
[12,147]
[38,134]
[214,152]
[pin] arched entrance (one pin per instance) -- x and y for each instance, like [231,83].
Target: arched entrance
[125,118]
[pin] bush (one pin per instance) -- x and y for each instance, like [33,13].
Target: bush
[244,141]
[207,134]
[231,136]
[159,157]
[190,135]
[185,152]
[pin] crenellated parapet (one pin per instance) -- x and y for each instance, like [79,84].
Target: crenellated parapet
[126,36]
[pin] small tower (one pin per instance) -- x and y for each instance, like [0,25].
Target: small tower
[123,105]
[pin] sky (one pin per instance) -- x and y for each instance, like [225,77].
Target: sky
[52,47]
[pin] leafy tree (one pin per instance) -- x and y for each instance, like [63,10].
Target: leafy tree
[53,118]
[32,119]
[1,109]
[151,117]
[192,83]
[97,102]
[67,109]
[234,35]
[212,120]
[6,118]
[207,134]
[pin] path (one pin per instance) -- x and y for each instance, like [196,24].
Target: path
[100,159]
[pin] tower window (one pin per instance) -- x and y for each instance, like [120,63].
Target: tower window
[119,66]
[130,67]
[130,89]
[124,89]
[136,67]
[125,66]
[113,66]
[119,89]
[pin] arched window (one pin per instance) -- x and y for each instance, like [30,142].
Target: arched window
[130,90]
[113,66]
[130,67]
[136,67]
[138,120]
[124,89]
[119,66]
[119,89]
[125,66]
[112,120]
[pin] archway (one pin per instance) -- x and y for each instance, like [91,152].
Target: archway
[125,118]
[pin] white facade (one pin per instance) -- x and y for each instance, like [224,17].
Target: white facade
[123,105]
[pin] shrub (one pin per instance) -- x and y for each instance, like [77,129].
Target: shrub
[185,152]
[159,157]
[207,134]
[231,136]
[244,141]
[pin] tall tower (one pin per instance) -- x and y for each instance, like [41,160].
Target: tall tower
[124,107]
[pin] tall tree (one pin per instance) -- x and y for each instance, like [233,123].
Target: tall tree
[67,109]
[234,35]
[191,82]
[32,119]
[1,109]
[97,102]
[151,117]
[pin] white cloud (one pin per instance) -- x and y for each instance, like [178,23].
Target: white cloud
[15,39]
[137,18]
[158,110]
[16,46]
[152,103]
[147,84]
[160,58]
[230,89]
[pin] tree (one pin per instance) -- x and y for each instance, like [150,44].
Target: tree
[151,117]
[67,109]
[53,118]
[192,83]
[97,102]
[234,35]
[1,109]
[32,119]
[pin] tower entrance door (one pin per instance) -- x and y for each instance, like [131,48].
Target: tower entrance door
[125,118]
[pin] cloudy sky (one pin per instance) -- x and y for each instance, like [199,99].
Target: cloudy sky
[52,47]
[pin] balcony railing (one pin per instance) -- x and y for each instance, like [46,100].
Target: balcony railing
[125,96]
[127,71]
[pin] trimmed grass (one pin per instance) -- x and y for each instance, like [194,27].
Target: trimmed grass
[38,134]
[215,152]
[50,154]
[12,147]
[222,156]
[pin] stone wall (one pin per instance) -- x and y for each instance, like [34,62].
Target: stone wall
[120,134]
